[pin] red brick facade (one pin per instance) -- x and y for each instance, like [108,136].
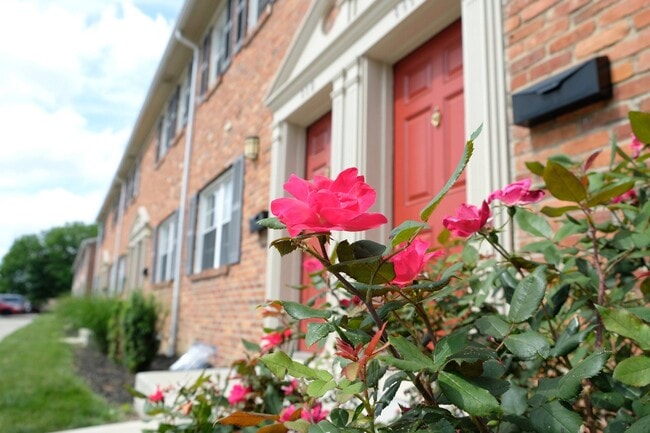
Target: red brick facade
[218,306]
[545,37]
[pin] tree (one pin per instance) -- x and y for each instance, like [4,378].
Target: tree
[40,266]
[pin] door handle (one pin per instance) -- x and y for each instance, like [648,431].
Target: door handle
[435,117]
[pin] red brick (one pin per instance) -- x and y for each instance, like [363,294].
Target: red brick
[602,39]
[585,143]
[642,19]
[593,9]
[514,6]
[511,23]
[525,30]
[528,60]
[548,32]
[643,62]
[631,88]
[644,105]
[515,51]
[622,72]
[535,8]
[579,33]
[629,46]
[518,81]
[622,9]
[568,6]
[550,66]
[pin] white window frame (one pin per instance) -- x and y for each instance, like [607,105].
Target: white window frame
[166,250]
[214,214]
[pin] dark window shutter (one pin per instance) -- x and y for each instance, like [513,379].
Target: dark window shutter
[234,231]
[154,255]
[226,39]
[241,24]
[204,69]
[191,228]
[159,136]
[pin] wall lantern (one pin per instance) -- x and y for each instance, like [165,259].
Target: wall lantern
[562,93]
[252,147]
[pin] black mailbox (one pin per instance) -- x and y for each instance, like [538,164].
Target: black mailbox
[574,88]
[254,226]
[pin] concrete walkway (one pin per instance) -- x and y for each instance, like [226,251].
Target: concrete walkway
[122,427]
[12,323]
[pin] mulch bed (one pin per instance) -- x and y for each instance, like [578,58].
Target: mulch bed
[107,378]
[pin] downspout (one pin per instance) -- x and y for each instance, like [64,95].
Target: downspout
[118,238]
[180,226]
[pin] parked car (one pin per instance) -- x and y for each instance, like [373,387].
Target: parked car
[11,303]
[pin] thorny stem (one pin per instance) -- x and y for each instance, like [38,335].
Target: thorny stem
[601,276]
[423,315]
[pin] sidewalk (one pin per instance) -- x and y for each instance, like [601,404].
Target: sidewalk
[122,427]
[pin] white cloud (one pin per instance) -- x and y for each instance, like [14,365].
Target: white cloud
[73,77]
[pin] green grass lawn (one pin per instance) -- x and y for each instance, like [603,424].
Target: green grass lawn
[39,391]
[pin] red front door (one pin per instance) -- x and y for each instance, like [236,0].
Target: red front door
[317,158]
[429,128]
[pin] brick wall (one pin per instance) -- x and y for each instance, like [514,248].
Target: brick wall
[544,37]
[218,306]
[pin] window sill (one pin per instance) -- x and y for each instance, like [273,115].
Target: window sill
[209,274]
[163,285]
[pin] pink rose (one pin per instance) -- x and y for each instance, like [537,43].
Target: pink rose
[628,196]
[291,387]
[314,415]
[636,146]
[287,413]
[517,193]
[312,265]
[409,262]
[157,397]
[238,394]
[323,204]
[274,339]
[468,220]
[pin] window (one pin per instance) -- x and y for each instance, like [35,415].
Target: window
[255,9]
[240,34]
[225,39]
[218,231]
[171,117]
[121,274]
[187,89]
[133,183]
[164,258]
[204,69]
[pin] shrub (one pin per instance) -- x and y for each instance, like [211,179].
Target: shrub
[139,327]
[550,337]
[93,313]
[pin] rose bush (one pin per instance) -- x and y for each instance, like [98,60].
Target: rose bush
[551,336]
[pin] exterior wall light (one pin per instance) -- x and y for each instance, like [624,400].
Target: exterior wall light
[252,147]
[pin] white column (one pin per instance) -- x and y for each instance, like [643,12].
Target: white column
[485,99]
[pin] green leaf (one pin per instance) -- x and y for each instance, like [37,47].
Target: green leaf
[447,346]
[624,323]
[317,331]
[324,427]
[411,353]
[606,194]
[640,426]
[372,270]
[250,346]
[300,311]
[364,249]
[472,399]
[493,326]
[406,231]
[569,384]
[278,363]
[284,246]
[515,400]
[535,167]
[532,223]
[318,388]
[528,296]
[633,371]
[554,212]
[563,184]
[527,345]
[467,154]
[552,417]
[339,417]
[640,123]
[271,223]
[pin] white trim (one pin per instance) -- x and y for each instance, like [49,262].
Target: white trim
[353,63]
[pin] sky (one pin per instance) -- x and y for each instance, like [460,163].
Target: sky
[73,77]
